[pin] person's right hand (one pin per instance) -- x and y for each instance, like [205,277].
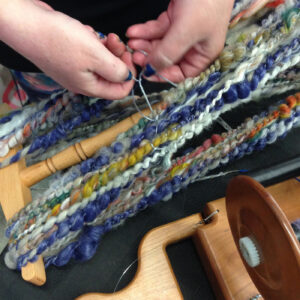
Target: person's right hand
[66,50]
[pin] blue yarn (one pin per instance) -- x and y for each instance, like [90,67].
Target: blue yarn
[85,251]
[107,226]
[42,247]
[90,212]
[66,127]
[176,180]
[243,89]
[85,115]
[186,113]
[117,147]
[295,43]
[175,117]
[94,233]
[9,229]
[260,71]
[202,89]
[33,259]
[150,132]
[165,189]
[104,200]
[114,194]
[136,140]
[65,255]
[15,158]
[51,239]
[76,221]
[269,63]
[63,229]
[22,261]
[250,44]
[219,104]
[86,166]
[231,95]
[214,77]
[116,219]
[191,93]
[162,125]
[200,105]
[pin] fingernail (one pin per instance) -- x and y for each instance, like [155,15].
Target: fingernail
[129,76]
[101,35]
[148,71]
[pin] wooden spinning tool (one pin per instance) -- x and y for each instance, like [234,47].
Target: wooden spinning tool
[252,213]
[16,179]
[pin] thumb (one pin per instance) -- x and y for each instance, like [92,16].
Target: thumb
[110,67]
[174,45]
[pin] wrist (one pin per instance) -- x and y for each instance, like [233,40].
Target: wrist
[20,23]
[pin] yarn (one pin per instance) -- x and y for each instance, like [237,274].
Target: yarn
[139,168]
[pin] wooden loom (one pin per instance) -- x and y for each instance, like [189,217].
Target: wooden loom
[252,211]
[16,179]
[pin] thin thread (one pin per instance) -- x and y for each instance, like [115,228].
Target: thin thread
[125,271]
[220,174]
[224,124]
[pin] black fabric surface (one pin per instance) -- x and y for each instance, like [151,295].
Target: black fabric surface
[103,15]
[118,248]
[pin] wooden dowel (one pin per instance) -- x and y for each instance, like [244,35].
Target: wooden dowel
[35,272]
[79,151]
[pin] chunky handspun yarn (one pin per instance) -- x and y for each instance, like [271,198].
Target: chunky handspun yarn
[138,169]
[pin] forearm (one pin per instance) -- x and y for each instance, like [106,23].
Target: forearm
[23,23]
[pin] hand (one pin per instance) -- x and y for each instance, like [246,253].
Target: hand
[66,50]
[184,40]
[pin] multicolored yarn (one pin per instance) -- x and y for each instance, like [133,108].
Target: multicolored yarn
[138,169]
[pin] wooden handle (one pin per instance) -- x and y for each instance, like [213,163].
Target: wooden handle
[80,151]
[154,278]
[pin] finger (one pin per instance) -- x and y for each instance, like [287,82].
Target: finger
[150,30]
[107,65]
[139,59]
[115,45]
[127,59]
[92,30]
[140,44]
[195,62]
[110,90]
